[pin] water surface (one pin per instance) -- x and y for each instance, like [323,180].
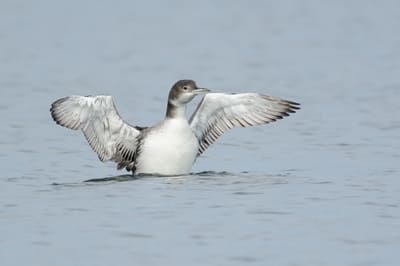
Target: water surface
[320,187]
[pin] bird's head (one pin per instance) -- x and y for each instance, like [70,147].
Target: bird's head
[183,91]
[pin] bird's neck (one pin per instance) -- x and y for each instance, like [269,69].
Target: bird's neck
[175,110]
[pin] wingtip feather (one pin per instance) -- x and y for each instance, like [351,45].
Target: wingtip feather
[61,113]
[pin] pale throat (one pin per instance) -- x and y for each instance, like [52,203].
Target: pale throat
[175,110]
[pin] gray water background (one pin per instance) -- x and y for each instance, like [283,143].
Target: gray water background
[321,187]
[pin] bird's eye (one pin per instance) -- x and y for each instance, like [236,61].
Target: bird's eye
[185,88]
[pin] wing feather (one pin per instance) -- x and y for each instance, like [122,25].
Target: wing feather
[107,134]
[219,112]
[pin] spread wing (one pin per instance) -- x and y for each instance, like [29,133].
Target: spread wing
[108,135]
[218,112]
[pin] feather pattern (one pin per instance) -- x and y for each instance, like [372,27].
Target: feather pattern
[108,135]
[219,112]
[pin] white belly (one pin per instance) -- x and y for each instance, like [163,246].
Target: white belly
[170,149]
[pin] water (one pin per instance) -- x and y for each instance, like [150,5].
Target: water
[320,187]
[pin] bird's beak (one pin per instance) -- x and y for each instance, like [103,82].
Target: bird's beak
[200,90]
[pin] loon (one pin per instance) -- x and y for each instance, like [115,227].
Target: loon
[171,146]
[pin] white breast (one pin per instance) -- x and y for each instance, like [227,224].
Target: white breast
[170,149]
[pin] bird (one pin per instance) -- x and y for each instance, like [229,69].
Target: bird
[171,146]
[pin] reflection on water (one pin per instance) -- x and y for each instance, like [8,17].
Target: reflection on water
[318,188]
